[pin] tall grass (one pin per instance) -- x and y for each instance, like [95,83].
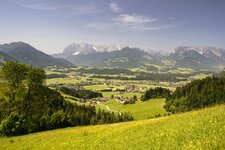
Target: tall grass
[203,129]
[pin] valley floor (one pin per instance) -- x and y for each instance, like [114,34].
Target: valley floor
[140,110]
[203,129]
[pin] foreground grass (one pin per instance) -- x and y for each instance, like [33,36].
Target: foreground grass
[203,129]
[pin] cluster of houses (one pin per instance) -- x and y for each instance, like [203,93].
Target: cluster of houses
[121,99]
[101,100]
[94,101]
[111,85]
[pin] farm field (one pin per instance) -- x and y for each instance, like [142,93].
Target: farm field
[154,86]
[200,76]
[127,94]
[202,129]
[140,110]
[62,81]
[100,87]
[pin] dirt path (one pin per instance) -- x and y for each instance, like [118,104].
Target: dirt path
[107,107]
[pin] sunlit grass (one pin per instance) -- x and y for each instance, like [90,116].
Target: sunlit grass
[203,129]
[140,110]
[63,81]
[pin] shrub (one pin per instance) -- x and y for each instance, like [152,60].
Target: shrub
[13,125]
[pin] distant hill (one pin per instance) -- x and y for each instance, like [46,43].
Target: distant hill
[27,54]
[5,57]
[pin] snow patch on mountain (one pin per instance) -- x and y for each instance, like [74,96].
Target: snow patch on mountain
[76,53]
[86,48]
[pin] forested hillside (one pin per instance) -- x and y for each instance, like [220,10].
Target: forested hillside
[27,105]
[197,94]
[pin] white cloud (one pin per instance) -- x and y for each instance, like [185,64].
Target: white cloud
[115,7]
[101,26]
[42,6]
[140,22]
[72,9]
[39,5]
[134,22]
[133,19]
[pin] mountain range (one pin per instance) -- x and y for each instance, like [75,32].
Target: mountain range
[205,58]
[86,48]
[25,53]
[197,58]
[84,54]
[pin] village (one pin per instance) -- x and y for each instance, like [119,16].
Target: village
[119,89]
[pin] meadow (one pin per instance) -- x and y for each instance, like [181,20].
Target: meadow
[140,110]
[202,129]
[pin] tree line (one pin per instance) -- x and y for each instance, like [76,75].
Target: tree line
[112,71]
[197,94]
[148,76]
[27,105]
[84,94]
[157,92]
[51,76]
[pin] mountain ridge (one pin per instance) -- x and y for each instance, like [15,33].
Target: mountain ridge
[27,54]
[86,48]
[198,58]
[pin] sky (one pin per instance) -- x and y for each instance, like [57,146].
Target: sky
[51,25]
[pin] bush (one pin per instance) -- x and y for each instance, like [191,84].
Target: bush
[58,120]
[126,102]
[13,125]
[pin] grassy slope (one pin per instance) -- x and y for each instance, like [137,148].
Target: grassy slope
[140,110]
[127,94]
[203,129]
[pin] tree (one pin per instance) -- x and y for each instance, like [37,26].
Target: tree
[35,77]
[157,92]
[27,105]
[14,73]
[112,96]
[133,99]
[13,125]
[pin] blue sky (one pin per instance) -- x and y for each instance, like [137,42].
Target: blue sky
[51,25]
